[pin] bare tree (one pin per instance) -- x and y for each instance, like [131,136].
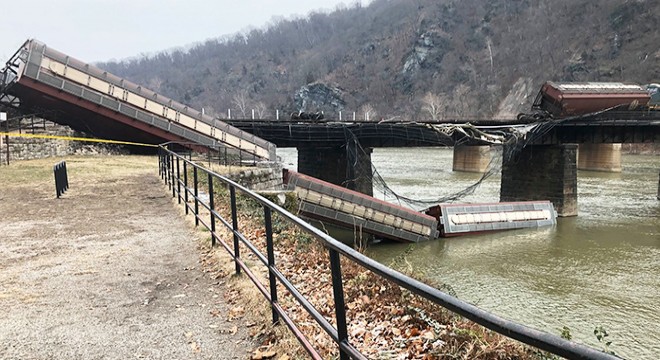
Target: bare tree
[434,105]
[461,101]
[240,100]
[490,53]
[368,112]
[155,83]
[260,110]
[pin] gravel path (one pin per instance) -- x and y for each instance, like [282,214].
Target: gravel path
[110,271]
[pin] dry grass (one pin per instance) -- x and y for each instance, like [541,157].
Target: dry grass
[79,168]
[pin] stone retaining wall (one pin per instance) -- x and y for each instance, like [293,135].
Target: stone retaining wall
[262,177]
[26,148]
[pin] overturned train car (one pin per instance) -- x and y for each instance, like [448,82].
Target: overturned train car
[334,204]
[561,100]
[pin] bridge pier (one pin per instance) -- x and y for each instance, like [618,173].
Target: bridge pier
[599,157]
[350,169]
[471,158]
[543,172]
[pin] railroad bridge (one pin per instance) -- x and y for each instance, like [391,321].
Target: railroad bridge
[544,167]
[41,80]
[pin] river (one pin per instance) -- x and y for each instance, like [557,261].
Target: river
[601,268]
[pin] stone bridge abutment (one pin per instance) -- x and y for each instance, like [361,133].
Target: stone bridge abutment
[542,172]
[345,165]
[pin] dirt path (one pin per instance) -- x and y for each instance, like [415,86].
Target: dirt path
[110,271]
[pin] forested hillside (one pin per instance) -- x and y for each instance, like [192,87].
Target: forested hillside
[412,59]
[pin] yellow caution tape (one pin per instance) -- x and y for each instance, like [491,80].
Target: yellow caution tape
[70,138]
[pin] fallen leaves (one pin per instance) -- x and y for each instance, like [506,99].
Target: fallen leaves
[263,353]
[195,347]
[236,313]
[384,321]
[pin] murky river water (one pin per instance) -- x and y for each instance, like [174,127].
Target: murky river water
[601,268]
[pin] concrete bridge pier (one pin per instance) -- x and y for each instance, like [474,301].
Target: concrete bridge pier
[543,172]
[599,157]
[350,169]
[471,158]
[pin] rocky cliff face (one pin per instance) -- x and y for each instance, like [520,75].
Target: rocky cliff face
[319,97]
[518,100]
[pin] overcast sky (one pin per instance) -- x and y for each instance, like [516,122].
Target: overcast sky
[99,30]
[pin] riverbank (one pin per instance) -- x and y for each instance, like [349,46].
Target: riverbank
[384,320]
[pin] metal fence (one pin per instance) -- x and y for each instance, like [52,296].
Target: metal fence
[61,178]
[174,169]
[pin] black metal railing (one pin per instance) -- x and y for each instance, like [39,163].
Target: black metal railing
[171,165]
[61,178]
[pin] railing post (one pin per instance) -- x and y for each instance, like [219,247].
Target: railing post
[172,174]
[178,180]
[185,185]
[166,170]
[58,181]
[234,225]
[66,176]
[169,171]
[212,209]
[196,196]
[271,263]
[340,308]
[160,162]
[161,158]
[61,178]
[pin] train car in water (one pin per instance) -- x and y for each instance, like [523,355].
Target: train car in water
[464,219]
[334,204]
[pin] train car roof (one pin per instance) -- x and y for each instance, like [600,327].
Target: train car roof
[597,87]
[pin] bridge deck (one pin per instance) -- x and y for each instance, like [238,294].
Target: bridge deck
[606,127]
[70,92]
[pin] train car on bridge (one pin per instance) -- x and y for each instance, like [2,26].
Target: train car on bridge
[560,100]
[654,92]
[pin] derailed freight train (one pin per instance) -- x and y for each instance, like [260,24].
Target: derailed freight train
[561,100]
